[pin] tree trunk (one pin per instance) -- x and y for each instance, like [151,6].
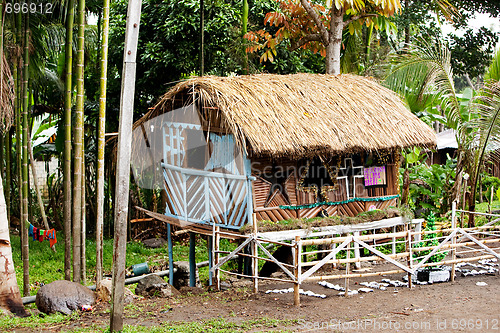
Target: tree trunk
[67,138]
[8,163]
[123,163]
[244,27]
[101,145]
[334,42]
[83,258]
[10,297]
[405,197]
[24,218]
[78,147]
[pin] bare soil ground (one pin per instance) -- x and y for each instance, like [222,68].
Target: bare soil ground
[444,307]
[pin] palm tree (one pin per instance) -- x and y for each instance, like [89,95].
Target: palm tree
[427,68]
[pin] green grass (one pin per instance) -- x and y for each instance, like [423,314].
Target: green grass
[485,208]
[47,266]
[216,325]
[9,323]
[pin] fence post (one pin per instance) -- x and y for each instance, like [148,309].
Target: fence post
[296,286]
[454,239]
[410,255]
[347,267]
[356,252]
[255,254]
[394,240]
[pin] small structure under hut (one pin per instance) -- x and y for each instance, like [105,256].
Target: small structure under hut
[274,148]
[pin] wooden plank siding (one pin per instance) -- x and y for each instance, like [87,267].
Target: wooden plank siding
[272,212]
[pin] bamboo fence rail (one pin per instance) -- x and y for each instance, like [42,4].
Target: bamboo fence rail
[459,245]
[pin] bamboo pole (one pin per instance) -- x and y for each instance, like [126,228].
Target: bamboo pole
[454,239]
[256,257]
[83,259]
[409,259]
[123,163]
[260,277]
[463,204]
[356,251]
[347,266]
[456,245]
[78,143]
[354,260]
[68,62]
[351,275]
[8,161]
[25,106]
[101,130]
[338,240]
[255,262]
[296,285]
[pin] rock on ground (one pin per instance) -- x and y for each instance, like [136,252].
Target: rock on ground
[63,296]
[104,292]
[154,242]
[181,276]
[153,285]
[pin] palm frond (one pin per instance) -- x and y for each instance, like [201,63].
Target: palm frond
[426,69]
[493,72]
[485,128]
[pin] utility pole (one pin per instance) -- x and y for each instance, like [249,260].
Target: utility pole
[123,163]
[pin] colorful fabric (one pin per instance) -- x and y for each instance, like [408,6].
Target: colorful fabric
[31,232]
[41,235]
[51,236]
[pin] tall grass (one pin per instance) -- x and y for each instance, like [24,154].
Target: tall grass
[47,266]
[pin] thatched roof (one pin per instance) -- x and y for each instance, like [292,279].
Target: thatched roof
[302,115]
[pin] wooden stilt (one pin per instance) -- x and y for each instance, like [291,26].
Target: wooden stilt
[170,255]
[216,256]
[210,259]
[192,259]
[296,286]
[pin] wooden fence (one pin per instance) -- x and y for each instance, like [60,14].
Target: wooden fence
[407,251]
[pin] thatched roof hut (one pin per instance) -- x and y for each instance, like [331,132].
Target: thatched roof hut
[302,115]
[293,145]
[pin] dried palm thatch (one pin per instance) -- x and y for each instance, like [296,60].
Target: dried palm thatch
[7,97]
[302,115]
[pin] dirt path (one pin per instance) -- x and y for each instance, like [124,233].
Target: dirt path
[445,307]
